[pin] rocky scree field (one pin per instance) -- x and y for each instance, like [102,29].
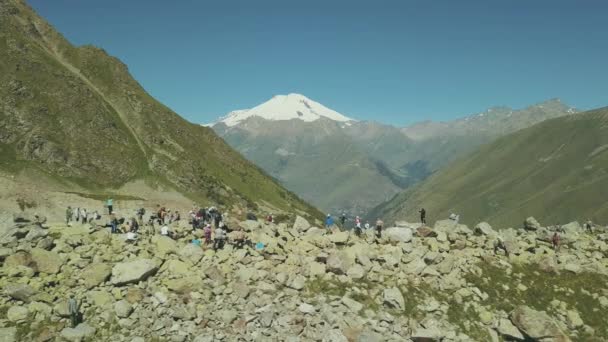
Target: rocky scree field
[416,283]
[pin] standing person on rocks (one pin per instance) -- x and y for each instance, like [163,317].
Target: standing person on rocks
[74,310]
[68,215]
[220,237]
[110,205]
[83,214]
[500,244]
[357,225]
[77,214]
[343,220]
[379,225]
[114,223]
[589,226]
[556,241]
[367,225]
[422,216]
[207,233]
[329,221]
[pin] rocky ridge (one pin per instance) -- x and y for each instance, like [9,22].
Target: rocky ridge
[416,283]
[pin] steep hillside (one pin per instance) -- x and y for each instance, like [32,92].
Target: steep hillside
[555,170]
[77,113]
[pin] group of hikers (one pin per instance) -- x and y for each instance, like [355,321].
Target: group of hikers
[329,223]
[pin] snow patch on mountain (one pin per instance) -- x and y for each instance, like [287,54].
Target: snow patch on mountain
[285,107]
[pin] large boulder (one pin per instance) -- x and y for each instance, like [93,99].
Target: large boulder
[397,234]
[191,253]
[425,231]
[46,262]
[338,263]
[164,245]
[572,228]
[301,225]
[123,309]
[393,298]
[95,274]
[484,228]
[80,333]
[537,324]
[133,271]
[339,238]
[17,314]
[22,292]
[20,258]
[531,224]
[8,334]
[506,328]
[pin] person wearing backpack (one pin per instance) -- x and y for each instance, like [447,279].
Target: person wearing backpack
[379,225]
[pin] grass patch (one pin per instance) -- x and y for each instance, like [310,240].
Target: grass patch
[542,288]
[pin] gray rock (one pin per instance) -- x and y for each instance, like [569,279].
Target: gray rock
[572,228]
[396,234]
[393,298]
[306,308]
[531,224]
[536,324]
[123,309]
[133,271]
[81,332]
[95,274]
[191,253]
[8,334]
[352,304]
[506,328]
[47,262]
[17,313]
[20,292]
[301,225]
[370,336]
[484,228]
[334,335]
[339,238]
[426,335]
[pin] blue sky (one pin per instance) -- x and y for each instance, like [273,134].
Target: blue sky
[390,61]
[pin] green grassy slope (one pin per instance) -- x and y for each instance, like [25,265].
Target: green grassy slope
[77,113]
[556,171]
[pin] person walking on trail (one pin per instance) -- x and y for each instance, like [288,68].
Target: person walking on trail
[329,221]
[357,225]
[422,216]
[207,234]
[343,219]
[379,225]
[74,310]
[68,215]
[114,224]
[110,205]
[500,244]
[556,241]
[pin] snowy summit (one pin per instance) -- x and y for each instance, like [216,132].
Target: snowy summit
[285,107]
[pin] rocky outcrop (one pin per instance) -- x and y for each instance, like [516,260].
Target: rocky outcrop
[133,271]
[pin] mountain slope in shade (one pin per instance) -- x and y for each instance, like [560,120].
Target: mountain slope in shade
[285,107]
[555,171]
[77,114]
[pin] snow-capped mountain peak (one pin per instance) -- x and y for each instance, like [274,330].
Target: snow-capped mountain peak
[285,107]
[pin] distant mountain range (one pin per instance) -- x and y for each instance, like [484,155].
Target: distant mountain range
[341,164]
[77,115]
[556,170]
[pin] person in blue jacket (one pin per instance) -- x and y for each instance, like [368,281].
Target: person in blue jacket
[329,221]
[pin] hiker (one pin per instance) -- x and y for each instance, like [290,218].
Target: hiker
[589,226]
[329,221]
[207,234]
[196,242]
[110,205]
[343,219]
[239,238]
[68,215]
[77,214]
[164,231]
[379,225]
[74,310]
[140,214]
[422,216]
[94,216]
[358,225]
[269,219]
[83,215]
[367,226]
[500,244]
[218,219]
[134,225]
[114,223]
[131,237]
[177,216]
[555,241]
[219,240]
